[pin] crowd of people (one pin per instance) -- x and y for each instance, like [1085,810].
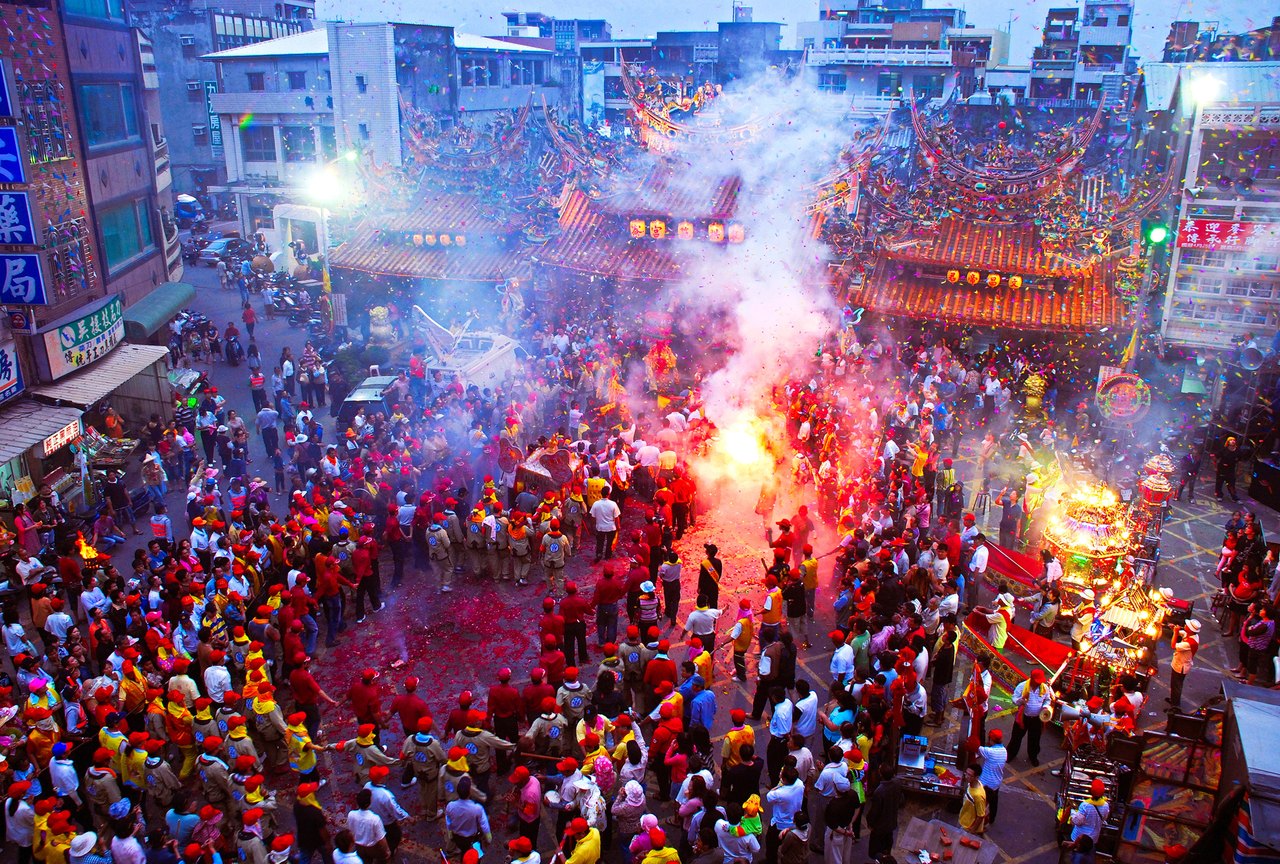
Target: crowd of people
[170,711]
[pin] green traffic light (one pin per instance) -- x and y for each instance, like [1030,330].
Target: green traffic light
[1158,234]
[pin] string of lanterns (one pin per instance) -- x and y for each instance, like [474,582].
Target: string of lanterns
[993,280]
[657,229]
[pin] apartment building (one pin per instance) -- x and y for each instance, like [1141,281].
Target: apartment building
[874,55]
[181,35]
[1220,120]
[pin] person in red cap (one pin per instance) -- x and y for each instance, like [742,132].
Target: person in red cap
[457,720]
[19,818]
[581,841]
[575,608]
[658,670]
[555,550]
[527,794]
[366,699]
[425,753]
[364,752]
[533,694]
[409,707]
[549,731]
[480,744]
[552,662]
[551,623]
[1029,698]
[503,716]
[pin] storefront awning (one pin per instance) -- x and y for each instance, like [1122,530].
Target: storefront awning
[87,386]
[26,423]
[152,312]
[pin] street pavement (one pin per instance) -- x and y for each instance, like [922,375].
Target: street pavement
[459,640]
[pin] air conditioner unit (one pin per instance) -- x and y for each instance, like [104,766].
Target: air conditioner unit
[187,39]
[194,85]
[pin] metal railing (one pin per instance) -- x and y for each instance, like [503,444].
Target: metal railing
[877,57]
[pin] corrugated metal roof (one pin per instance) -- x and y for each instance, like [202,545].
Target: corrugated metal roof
[87,386]
[308,43]
[368,251]
[1239,83]
[467,42]
[451,212]
[1160,81]
[586,252]
[1088,306]
[26,423]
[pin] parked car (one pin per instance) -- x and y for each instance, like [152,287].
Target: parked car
[225,249]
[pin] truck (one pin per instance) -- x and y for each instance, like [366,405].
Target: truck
[480,358]
[187,210]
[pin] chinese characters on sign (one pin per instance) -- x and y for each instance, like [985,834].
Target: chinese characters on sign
[215,124]
[11,167]
[22,279]
[1257,237]
[10,375]
[78,343]
[61,438]
[15,219]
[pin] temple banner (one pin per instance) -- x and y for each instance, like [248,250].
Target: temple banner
[1215,234]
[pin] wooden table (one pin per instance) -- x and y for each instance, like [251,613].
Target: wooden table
[928,836]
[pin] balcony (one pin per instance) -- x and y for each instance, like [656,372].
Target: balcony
[1105,35]
[267,102]
[877,57]
[1093,73]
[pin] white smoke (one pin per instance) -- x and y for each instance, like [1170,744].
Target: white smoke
[772,289]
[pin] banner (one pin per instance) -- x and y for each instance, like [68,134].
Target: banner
[10,374]
[74,344]
[1216,234]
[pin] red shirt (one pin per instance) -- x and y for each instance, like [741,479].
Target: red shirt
[411,709]
[608,590]
[637,577]
[504,701]
[457,721]
[305,689]
[552,662]
[653,535]
[292,645]
[533,696]
[660,669]
[553,624]
[953,549]
[575,608]
[366,702]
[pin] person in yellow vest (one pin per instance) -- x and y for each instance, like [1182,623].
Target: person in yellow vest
[302,751]
[809,574]
[743,631]
[42,734]
[134,761]
[738,735]
[113,737]
[133,687]
[771,614]
[594,489]
[702,660]
[58,834]
[623,732]
[154,719]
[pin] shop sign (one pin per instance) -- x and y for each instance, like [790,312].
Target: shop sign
[6,106]
[1216,234]
[16,226]
[10,374]
[11,166]
[60,439]
[22,322]
[23,283]
[77,343]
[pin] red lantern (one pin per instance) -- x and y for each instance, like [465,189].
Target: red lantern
[1015,282]
[953,276]
[657,229]
[973,278]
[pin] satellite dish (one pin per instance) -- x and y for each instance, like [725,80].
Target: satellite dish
[1251,359]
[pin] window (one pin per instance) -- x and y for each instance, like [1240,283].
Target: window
[126,232]
[109,113]
[481,73]
[1204,257]
[364,131]
[299,143]
[1255,315]
[256,81]
[361,85]
[1230,314]
[328,142]
[1122,20]
[297,80]
[525,73]
[195,91]
[889,84]
[259,143]
[928,86]
[200,134]
[96,8]
[832,82]
[808,43]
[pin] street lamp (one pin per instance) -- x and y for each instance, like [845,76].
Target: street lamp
[326,187]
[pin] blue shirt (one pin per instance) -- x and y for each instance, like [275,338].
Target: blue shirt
[703,709]
[181,825]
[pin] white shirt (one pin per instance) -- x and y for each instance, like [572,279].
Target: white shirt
[385,805]
[606,513]
[833,779]
[842,662]
[286,370]
[780,721]
[808,722]
[702,621]
[366,827]
[217,680]
[978,563]
[1034,699]
[648,456]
